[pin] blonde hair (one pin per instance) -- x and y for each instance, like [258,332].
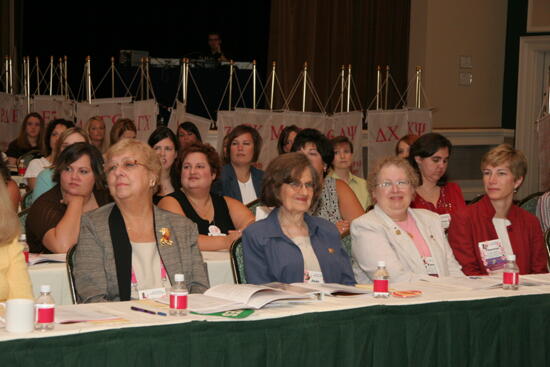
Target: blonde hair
[137,148]
[372,180]
[88,126]
[9,223]
[506,154]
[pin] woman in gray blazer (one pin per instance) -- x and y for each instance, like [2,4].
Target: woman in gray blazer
[131,247]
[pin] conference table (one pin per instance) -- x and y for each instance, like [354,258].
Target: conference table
[55,274]
[448,325]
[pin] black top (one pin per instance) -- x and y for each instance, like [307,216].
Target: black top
[222,219]
[16,151]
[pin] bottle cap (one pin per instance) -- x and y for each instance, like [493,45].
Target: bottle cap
[511,257]
[381,263]
[45,288]
[179,277]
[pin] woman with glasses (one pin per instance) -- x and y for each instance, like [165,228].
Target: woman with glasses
[290,245]
[131,248]
[410,241]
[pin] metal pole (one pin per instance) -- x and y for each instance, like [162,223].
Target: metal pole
[342,86]
[387,83]
[65,76]
[304,88]
[378,82]
[51,75]
[273,75]
[253,84]
[37,75]
[418,86]
[6,64]
[89,79]
[349,87]
[26,82]
[61,74]
[112,77]
[147,77]
[141,78]
[186,89]
[11,76]
[231,67]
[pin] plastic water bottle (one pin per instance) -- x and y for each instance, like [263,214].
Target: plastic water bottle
[45,309]
[380,282]
[510,277]
[23,242]
[178,297]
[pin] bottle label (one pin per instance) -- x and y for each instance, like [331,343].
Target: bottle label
[510,278]
[178,301]
[380,285]
[45,313]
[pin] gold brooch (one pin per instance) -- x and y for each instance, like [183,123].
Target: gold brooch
[165,239]
[398,232]
[330,250]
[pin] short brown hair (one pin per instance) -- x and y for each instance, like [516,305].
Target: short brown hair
[151,160]
[287,168]
[120,126]
[236,132]
[211,156]
[372,180]
[73,153]
[506,154]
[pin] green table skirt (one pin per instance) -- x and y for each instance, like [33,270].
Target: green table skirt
[513,331]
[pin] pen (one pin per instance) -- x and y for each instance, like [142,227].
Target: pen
[134,308]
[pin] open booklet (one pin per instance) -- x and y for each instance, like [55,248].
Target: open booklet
[328,289]
[46,258]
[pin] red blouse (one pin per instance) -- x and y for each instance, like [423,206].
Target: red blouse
[474,224]
[450,200]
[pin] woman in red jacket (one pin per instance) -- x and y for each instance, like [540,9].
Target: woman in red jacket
[482,234]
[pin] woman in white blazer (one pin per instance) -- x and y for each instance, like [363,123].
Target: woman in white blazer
[410,241]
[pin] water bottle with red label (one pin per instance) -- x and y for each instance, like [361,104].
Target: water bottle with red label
[380,281]
[510,277]
[23,242]
[45,309]
[178,296]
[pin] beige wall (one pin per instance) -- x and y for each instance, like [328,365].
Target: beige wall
[443,30]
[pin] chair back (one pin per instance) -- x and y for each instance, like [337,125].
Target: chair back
[22,215]
[547,242]
[346,242]
[237,261]
[70,275]
[253,204]
[530,202]
[25,159]
[476,199]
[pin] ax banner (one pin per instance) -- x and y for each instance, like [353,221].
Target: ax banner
[386,127]
[270,124]
[53,107]
[13,109]
[178,116]
[543,133]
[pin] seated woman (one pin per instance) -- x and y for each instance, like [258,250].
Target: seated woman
[95,127]
[220,219]
[290,245]
[403,146]
[337,203]
[54,219]
[239,178]
[37,165]
[132,246]
[122,129]
[44,181]
[286,138]
[410,241]
[341,169]
[188,134]
[29,138]
[12,188]
[166,145]
[482,234]
[14,276]
[429,156]
[543,211]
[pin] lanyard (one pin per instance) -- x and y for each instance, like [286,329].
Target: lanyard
[163,275]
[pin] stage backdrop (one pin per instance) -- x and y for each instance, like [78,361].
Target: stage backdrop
[270,124]
[386,127]
[53,107]
[13,109]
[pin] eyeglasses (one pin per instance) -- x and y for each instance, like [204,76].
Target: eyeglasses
[402,184]
[297,186]
[126,165]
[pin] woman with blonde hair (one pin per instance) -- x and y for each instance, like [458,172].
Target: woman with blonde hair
[95,127]
[14,277]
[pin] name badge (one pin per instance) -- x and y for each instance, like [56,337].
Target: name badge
[431,268]
[445,220]
[492,254]
[152,293]
[313,276]
[214,231]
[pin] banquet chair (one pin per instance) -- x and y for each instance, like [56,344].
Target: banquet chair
[237,261]
[530,202]
[253,205]
[476,199]
[26,158]
[22,215]
[346,242]
[547,242]
[70,274]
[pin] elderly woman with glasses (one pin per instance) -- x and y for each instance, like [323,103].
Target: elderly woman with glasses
[131,249]
[290,245]
[410,241]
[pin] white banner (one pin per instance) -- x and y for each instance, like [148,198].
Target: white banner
[53,107]
[13,109]
[270,124]
[386,127]
[543,132]
[178,116]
